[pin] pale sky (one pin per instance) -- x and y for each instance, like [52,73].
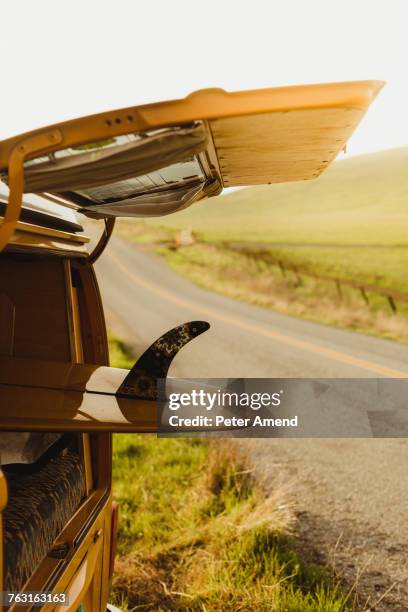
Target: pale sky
[62,59]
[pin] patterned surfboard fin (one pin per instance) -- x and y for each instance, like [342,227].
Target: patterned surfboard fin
[141,382]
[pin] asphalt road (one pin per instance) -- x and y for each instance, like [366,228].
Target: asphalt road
[351,496]
[146,299]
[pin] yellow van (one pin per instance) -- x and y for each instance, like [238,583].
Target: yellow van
[59,400]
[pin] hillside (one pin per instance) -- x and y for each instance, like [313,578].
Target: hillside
[350,224]
[359,200]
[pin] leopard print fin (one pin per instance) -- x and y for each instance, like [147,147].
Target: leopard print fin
[141,382]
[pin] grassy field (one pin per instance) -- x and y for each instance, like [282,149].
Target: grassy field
[359,200]
[351,223]
[197,533]
[252,280]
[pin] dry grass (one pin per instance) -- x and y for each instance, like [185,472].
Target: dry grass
[245,278]
[230,548]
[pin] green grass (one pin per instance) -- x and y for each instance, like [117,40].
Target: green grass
[334,224]
[153,479]
[386,267]
[358,200]
[254,280]
[197,533]
[119,353]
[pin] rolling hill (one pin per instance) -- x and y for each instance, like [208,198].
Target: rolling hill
[359,200]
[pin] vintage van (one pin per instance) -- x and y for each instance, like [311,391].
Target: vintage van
[59,400]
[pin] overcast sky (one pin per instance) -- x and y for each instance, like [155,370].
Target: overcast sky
[63,59]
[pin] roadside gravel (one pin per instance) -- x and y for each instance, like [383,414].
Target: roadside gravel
[350,497]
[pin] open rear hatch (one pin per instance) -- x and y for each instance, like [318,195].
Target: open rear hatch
[158,158]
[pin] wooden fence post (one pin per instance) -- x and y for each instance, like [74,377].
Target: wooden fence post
[364,295]
[300,274]
[282,267]
[392,303]
[298,277]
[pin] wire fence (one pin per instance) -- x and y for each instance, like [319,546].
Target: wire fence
[365,289]
[187,238]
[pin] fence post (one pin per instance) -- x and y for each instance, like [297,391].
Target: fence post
[282,267]
[298,277]
[392,303]
[365,297]
[287,269]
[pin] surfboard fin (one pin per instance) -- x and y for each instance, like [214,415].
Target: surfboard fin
[141,382]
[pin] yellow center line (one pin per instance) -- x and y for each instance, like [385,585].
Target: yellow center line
[304,345]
